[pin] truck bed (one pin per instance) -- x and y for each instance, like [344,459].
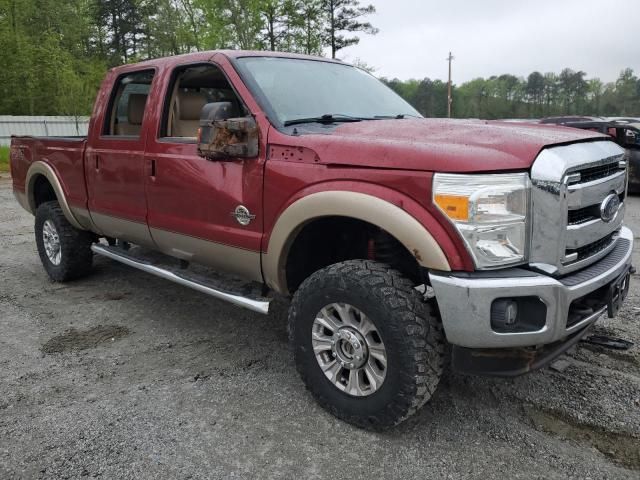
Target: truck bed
[63,154]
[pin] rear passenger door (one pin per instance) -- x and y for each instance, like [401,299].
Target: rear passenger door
[114,160]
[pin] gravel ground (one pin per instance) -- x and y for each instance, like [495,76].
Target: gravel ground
[126,375]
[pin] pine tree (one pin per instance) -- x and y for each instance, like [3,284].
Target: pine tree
[344,16]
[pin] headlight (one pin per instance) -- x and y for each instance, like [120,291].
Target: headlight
[489,211]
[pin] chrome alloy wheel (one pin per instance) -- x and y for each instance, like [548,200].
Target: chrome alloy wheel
[51,241]
[349,349]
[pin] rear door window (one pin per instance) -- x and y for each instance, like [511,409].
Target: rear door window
[127,107]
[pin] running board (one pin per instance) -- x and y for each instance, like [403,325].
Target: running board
[257,304]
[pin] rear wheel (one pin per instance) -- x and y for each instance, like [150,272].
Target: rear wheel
[65,251]
[367,345]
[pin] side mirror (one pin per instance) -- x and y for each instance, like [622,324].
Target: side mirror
[221,136]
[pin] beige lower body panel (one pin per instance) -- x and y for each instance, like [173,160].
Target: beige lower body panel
[128,230]
[84,219]
[79,214]
[237,261]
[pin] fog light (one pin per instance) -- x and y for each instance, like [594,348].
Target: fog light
[504,313]
[510,313]
[518,314]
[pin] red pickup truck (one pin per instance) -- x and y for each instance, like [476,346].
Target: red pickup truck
[406,243]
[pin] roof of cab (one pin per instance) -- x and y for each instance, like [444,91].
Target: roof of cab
[208,55]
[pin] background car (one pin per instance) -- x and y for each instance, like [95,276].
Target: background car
[625,131]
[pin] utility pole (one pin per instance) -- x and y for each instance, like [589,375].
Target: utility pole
[449,99]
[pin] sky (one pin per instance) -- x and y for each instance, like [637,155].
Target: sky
[492,37]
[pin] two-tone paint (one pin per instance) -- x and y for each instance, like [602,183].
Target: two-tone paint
[158,192]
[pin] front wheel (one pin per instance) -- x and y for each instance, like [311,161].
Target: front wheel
[367,345]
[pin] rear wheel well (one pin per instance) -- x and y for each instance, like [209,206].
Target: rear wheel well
[42,191]
[328,240]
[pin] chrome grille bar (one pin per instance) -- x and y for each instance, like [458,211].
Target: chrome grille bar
[566,179]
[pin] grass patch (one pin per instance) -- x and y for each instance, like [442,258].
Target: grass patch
[4,158]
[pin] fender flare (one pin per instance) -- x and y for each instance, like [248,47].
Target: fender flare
[41,168]
[393,219]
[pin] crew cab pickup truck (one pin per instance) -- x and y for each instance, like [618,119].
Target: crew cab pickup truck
[405,243]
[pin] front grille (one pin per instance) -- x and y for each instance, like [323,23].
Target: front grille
[585,214]
[592,248]
[590,174]
[582,215]
[567,230]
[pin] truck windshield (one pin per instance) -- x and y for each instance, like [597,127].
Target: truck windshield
[297,89]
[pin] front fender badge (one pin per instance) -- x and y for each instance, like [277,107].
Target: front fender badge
[243,215]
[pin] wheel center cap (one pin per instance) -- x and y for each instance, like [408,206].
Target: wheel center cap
[349,348]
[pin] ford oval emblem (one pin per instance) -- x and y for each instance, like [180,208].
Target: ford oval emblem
[609,207]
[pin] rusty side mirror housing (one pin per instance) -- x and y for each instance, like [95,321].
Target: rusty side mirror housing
[221,136]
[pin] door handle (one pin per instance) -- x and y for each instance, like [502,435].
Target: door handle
[97,160]
[153,168]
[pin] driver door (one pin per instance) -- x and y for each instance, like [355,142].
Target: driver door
[191,201]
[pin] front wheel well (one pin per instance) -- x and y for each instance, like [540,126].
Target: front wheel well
[328,240]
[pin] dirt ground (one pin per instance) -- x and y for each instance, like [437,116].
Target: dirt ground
[126,375]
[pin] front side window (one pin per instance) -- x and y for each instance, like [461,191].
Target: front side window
[126,110]
[192,88]
[296,89]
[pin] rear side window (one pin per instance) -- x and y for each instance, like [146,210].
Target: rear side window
[127,106]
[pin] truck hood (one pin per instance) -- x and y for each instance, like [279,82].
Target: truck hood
[441,145]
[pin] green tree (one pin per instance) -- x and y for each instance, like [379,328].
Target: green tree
[124,22]
[594,96]
[54,54]
[551,89]
[49,64]
[472,99]
[535,93]
[573,88]
[309,35]
[627,92]
[243,23]
[343,17]
[194,21]
[169,29]
[281,20]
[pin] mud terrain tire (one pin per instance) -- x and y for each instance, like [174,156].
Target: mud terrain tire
[408,326]
[74,246]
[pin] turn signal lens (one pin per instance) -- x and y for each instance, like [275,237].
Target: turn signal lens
[454,206]
[489,211]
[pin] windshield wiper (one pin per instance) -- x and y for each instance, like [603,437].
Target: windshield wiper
[400,116]
[326,118]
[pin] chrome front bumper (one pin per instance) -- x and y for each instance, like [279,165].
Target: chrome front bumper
[465,300]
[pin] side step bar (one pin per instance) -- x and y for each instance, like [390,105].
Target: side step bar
[260,305]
